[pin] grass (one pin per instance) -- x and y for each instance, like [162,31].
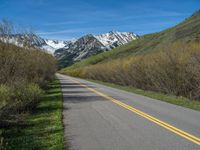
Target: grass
[43,129]
[181,101]
[187,31]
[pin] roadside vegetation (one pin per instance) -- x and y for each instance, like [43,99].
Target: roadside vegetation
[23,74]
[30,118]
[166,62]
[174,70]
[177,100]
[41,128]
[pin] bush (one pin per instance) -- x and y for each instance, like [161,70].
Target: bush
[27,95]
[23,98]
[27,64]
[22,72]
[173,70]
[5,95]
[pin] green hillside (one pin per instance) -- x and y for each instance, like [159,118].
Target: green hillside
[166,62]
[186,31]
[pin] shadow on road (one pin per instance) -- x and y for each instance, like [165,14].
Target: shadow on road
[75,93]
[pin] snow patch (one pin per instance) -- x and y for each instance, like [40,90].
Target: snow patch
[119,38]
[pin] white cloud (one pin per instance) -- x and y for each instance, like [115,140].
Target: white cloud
[59,32]
[63,23]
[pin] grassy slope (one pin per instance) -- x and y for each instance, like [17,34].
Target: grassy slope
[43,129]
[181,101]
[187,31]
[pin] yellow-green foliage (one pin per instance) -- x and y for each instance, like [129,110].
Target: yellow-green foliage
[173,70]
[22,72]
[74,72]
[18,63]
[5,94]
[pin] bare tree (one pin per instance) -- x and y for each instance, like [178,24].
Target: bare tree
[8,31]
[6,27]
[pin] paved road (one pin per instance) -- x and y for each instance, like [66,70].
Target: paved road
[97,117]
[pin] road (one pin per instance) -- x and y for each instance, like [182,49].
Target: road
[97,117]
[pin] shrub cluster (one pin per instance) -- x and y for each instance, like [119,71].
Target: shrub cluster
[174,70]
[23,71]
[17,64]
[5,95]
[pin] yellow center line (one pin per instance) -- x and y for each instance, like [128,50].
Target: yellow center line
[161,123]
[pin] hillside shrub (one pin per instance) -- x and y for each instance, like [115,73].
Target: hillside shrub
[5,95]
[175,69]
[27,95]
[23,72]
[29,64]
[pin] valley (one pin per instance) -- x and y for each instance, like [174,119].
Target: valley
[99,75]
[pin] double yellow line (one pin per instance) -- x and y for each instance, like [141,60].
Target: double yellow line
[163,124]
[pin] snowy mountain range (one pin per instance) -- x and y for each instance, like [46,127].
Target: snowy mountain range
[110,39]
[52,45]
[68,52]
[34,41]
[89,45]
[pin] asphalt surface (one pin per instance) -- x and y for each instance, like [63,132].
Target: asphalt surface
[92,122]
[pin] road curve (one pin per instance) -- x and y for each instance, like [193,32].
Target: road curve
[97,117]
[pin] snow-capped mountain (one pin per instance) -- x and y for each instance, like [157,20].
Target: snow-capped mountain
[82,48]
[113,39]
[34,41]
[23,39]
[68,52]
[52,45]
[89,45]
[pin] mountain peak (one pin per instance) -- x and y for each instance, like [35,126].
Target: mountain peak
[116,38]
[90,44]
[76,49]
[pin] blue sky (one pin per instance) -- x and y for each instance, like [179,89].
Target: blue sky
[66,19]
